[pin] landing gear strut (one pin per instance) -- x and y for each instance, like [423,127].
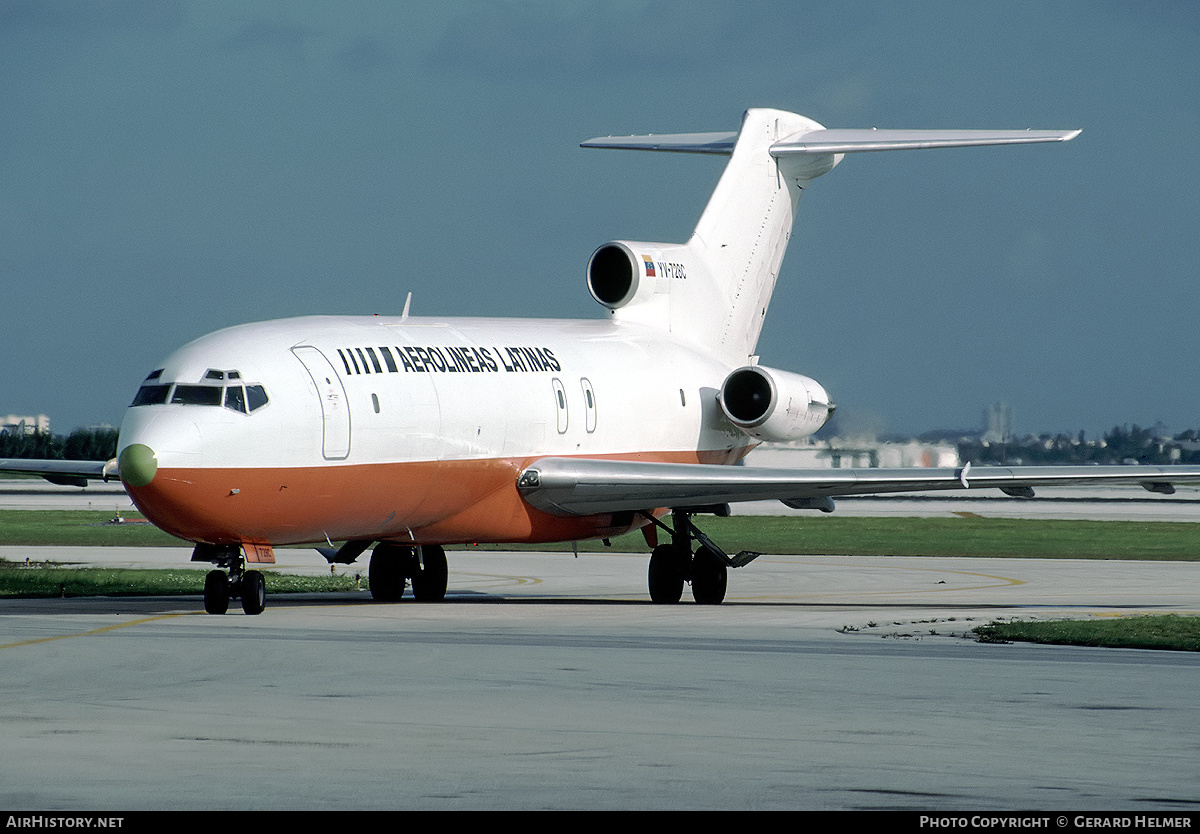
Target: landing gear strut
[393,565]
[673,564]
[238,583]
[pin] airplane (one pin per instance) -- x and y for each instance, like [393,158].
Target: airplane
[405,434]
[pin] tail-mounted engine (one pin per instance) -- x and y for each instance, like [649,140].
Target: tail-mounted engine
[774,405]
[625,273]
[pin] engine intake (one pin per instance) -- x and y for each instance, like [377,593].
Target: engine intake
[637,277]
[773,405]
[612,275]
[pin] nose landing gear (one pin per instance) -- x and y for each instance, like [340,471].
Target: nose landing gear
[220,587]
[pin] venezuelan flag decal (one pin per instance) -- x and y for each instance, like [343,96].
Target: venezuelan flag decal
[649,266]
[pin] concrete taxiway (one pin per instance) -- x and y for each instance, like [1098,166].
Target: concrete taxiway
[1103,503]
[37,494]
[546,681]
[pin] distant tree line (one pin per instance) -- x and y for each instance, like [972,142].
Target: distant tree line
[81,444]
[1123,444]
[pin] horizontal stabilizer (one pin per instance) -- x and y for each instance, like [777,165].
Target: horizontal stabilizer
[713,143]
[854,141]
[851,140]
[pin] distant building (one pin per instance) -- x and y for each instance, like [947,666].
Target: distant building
[998,420]
[853,453]
[14,424]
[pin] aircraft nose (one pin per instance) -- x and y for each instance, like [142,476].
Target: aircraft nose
[137,464]
[153,441]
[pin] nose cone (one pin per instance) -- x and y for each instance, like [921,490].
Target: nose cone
[154,440]
[137,464]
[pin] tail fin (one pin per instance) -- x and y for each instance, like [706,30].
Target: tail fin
[715,289]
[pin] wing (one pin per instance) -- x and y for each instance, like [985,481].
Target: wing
[581,486]
[64,472]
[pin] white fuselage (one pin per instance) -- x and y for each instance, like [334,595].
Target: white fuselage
[414,428]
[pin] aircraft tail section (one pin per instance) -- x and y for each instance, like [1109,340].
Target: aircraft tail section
[715,289]
[743,234]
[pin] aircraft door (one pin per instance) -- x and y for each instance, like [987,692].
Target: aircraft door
[335,408]
[560,402]
[589,403]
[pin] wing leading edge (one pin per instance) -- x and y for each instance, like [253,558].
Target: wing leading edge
[63,472]
[580,486]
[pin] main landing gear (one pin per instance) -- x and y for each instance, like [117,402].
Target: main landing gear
[393,565]
[673,564]
[220,587]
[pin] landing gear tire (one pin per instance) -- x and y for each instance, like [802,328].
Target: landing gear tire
[665,575]
[430,574]
[709,577]
[216,592]
[254,592]
[387,572]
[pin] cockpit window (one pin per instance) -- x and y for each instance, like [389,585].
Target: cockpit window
[197,395]
[235,398]
[155,374]
[151,395]
[250,398]
[256,396]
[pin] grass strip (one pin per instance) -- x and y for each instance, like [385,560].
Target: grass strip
[52,580]
[1157,631]
[903,536]
[800,535]
[83,528]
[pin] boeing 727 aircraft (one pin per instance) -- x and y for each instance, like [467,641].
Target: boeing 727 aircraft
[407,434]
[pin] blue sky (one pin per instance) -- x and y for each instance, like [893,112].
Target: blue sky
[170,168]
